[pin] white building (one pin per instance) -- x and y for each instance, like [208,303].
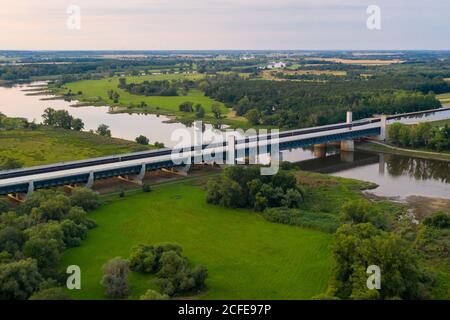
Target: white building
[276,65]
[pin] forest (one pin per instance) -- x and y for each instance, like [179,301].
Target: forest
[290,104]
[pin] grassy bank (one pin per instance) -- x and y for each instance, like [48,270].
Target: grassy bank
[94,92]
[246,256]
[49,145]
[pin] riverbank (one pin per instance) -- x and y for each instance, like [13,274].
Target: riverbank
[46,145]
[95,93]
[375,146]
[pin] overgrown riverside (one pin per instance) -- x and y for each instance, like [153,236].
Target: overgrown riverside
[423,135]
[368,233]
[24,144]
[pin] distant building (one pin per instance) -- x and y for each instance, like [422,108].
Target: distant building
[276,65]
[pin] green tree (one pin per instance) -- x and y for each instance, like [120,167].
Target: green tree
[19,279]
[143,259]
[85,198]
[77,124]
[142,140]
[199,111]
[253,116]
[359,246]
[115,278]
[103,130]
[4,206]
[11,239]
[49,117]
[73,233]
[186,106]
[46,253]
[55,208]
[217,111]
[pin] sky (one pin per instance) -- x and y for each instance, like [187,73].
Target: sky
[223,24]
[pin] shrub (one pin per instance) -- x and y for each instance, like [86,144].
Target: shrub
[115,278]
[19,279]
[146,188]
[153,295]
[50,294]
[142,140]
[438,220]
[85,198]
[143,259]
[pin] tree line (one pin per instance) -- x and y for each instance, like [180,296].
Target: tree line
[33,237]
[291,104]
[422,135]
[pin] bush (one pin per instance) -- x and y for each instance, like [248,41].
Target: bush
[244,187]
[146,188]
[363,211]
[439,220]
[115,278]
[73,233]
[326,222]
[153,295]
[174,273]
[19,279]
[85,198]
[4,206]
[142,140]
[143,259]
[57,294]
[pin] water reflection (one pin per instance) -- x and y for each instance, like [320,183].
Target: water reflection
[419,169]
[396,175]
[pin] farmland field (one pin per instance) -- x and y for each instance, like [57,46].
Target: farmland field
[246,256]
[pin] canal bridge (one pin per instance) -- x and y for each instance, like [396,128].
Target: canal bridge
[135,165]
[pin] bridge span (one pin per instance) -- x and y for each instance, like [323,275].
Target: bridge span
[136,164]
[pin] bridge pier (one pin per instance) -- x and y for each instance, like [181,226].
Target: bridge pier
[347,156]
[348,145]
[320,150]
[384,133]
[231,150]
[30,189]
[90,182]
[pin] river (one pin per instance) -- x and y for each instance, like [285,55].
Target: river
[398,176]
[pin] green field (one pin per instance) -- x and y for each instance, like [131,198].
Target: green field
[246,256]
[49,145]
[95,91]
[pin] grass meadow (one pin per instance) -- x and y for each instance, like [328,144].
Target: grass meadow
[247,257]
[49,145]
[96,91]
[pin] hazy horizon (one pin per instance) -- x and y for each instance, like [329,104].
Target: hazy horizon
[186,25]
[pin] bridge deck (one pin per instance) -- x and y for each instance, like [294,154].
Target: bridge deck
[65,176]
